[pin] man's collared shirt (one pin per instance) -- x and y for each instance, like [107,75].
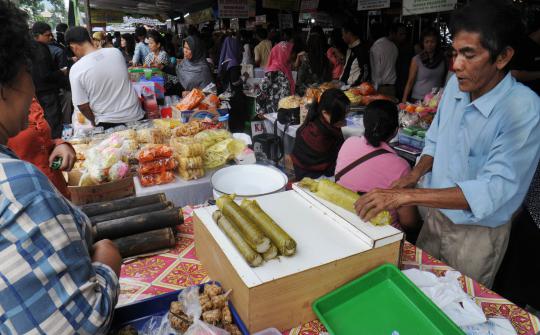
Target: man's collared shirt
[48,284]
[489,148]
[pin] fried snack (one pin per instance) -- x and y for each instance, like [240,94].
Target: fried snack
[206,303]
[211,136]
[190,174]
[127,330]
[128,134]
[176,308]
[219,301]
[313,94]
[191,100]
[186,149]
[289,102]
[158,166]
[212,290]
[226,316]
[232,329]
[212,317]
[188,163]
[156,179]
[149,154]
[80,150]
[249,230]
[150,135]
[179,323]
[341,197]
[285,244]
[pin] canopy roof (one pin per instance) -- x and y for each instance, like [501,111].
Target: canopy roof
[169,8]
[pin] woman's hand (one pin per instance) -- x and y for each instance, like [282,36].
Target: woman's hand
[68,156]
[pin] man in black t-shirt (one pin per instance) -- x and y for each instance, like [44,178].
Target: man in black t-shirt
[526,62]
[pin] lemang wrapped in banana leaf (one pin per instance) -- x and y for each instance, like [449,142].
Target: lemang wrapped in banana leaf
[341,197]
[253,258]
[284,243]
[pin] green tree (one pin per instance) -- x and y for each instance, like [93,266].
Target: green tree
[36,8]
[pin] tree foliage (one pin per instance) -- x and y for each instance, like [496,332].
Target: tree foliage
[36,8]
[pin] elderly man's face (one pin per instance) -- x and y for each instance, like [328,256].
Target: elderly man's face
[476,72]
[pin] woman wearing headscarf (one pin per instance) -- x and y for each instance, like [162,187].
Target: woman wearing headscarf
[193,71]
[278,81]
[229,69]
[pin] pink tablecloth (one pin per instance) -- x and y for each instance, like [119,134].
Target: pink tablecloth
[179,268]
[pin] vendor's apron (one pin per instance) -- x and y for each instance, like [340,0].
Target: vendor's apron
[475,251]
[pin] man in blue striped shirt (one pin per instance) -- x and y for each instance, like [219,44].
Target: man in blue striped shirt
[53,278]
[481,150]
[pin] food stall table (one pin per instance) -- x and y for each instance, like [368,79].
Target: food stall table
[179,267]
[180,192]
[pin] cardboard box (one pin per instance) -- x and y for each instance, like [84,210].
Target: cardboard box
[280,292]
[81,195]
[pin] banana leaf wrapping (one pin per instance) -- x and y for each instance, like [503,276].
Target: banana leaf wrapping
[250,232]
[342,197]
[253,258]
[284,243]
[271,253]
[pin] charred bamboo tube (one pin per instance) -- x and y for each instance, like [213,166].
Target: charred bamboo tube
[271,253]
[130,212]
[342,197]
[279,237]
[253,258]
[142,243]
[138,223]
[120,204]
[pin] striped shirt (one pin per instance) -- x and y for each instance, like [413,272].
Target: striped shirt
[48,283]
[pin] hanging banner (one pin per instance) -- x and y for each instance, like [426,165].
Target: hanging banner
[108,16]
[309,6]
[372,4]
[285,21]
[281,4]
[201,16]
[413,7]
[233,9]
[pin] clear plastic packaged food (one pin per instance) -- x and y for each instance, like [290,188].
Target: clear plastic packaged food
[189,174]
[149,154]
[150,135]
[191,100]
[157,166]
[156,179]
[186,163]
[187,149]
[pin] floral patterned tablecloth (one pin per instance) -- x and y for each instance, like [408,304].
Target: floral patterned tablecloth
[179,268]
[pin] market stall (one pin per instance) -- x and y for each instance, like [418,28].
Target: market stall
[180,267]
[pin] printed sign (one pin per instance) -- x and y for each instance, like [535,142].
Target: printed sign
[281,4]
[413,7]
[230,9]
[372,4]
[285,21]
[309,6]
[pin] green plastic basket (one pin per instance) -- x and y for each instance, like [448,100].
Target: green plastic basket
[383,301]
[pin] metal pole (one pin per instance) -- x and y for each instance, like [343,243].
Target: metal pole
[88,17]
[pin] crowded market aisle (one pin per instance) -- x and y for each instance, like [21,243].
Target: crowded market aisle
[179,267]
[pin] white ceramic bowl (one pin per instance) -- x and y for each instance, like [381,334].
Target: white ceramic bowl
[248,181]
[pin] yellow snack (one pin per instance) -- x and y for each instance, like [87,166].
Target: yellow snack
[341,197]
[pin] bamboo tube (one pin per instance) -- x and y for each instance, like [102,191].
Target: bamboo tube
[130,212]
[138,223]
[124,203]
[137,244]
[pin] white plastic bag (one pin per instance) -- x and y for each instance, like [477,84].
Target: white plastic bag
[189,298]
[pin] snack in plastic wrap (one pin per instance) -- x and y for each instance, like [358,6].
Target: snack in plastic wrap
[118,171]
[218,154]
[186,163]
[342,197]
[109,156]
[149,154]
[190,174]
[184,149]
[289,102]
[211,136]
[87,180]
[128,134]
[150,135]
[191,100]
[313,94]
[188,129]
[355,99]
[157,166]
[212,101]
[166,125]
[156,179]
[80,150]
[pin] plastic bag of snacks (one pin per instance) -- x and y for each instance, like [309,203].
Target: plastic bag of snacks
[189,174]
[187,149]
[150,135]
[151,153]
[158,165]
[191,100]
[211,136]
[156,179]
[118,171]
[186,163]
[218,154]
[188,129]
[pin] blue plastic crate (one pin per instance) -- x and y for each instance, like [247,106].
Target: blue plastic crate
[413,141]
[140,312]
